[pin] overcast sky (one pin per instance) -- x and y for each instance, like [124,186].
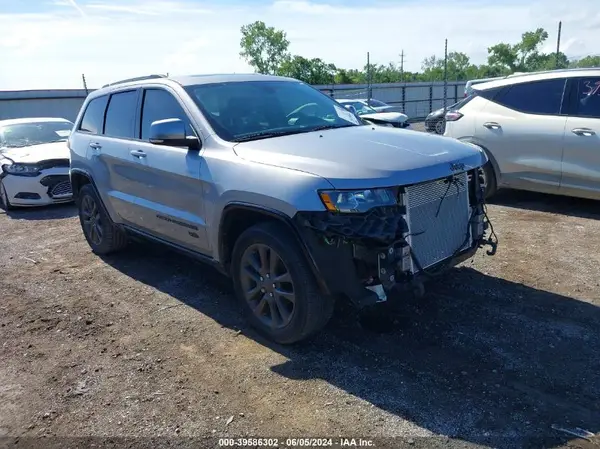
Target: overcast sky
[50,43]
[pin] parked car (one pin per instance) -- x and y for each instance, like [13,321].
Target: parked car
[380,106]
[541,131]
[435,122]
[367,113]
[34,162]
[471,83]
[279,187]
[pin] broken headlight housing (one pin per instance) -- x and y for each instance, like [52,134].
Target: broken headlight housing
[357,201]
[21,169]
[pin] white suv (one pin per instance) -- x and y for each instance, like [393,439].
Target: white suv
[541,131]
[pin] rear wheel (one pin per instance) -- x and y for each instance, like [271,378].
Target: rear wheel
[440,126]
[103,236]
[276,287]
[4,202]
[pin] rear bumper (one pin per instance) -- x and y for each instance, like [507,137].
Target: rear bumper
[51,186]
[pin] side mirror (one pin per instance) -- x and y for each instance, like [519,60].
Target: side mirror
[351,108]
[171,132]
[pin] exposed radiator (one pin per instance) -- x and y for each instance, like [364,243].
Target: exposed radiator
[438,227]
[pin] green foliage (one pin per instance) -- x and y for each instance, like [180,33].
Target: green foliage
[588,61]
[266,49]
[311,71]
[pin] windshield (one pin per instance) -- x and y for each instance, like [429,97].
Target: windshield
[361,108]
[376,103]
[250,110]
[34,133]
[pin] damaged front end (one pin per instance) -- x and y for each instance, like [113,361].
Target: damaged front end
[431,227]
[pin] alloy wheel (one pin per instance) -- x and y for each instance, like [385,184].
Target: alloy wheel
[91,219]
[267,286]
[483,181]
[440,126]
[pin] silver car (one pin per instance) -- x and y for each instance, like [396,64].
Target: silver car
[278,186]
[541,131]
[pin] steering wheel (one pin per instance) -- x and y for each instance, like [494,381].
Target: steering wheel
[307,114]
[300,110]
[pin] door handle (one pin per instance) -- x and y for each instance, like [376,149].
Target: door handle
[137,153]
[492,125]
[583,132]
[95,145]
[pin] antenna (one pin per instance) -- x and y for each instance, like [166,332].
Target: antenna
[84,84]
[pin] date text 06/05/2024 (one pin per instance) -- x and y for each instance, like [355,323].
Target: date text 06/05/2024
[295,442]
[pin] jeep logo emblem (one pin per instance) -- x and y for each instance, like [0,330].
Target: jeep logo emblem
[456,166]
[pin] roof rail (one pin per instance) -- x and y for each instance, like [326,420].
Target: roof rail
[138,78]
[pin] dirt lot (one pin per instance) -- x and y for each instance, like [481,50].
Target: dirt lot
[150,344]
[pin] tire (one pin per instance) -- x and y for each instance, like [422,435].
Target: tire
[311,310]
[112,238]
[440,126]
[4,203]
[489,175]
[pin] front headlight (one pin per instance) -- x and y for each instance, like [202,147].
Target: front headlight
[357,201]
[21,169]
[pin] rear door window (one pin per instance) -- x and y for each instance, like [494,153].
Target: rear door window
[93,117]
[536,97]
[587,98]
[120,115]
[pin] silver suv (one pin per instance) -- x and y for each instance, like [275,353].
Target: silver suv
[278,186]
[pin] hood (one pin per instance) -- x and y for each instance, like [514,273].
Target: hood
[365,156]
[37,153]
[392,117]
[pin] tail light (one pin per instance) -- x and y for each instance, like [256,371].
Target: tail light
[453,116]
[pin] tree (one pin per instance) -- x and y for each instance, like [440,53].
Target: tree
[588,61]
[458,67]
[264,48]
[521,57]
[311,71]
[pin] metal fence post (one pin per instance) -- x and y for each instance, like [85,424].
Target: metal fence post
[404,98]
[431,97]
[445,76]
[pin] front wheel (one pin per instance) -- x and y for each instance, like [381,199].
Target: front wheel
[103,236]
[4,202]
[276,287]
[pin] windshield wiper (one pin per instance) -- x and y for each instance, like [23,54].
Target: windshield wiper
[266,135]
[324,127]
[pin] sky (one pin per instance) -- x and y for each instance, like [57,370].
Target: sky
[49,44]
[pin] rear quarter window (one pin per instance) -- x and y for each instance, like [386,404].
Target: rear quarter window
[535,97]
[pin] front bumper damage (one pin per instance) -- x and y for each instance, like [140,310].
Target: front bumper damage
[367,257]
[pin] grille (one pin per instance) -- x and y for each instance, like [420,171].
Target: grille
[437,226]
[63,188]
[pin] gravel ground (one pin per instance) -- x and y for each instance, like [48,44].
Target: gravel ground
[150,344]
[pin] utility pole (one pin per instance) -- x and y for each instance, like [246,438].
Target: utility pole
[402,66]
[558,43]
